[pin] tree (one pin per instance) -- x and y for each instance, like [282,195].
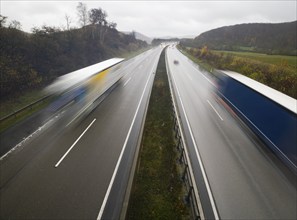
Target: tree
[97,16]
[15,24]
[31,60]
[204,51]
[45,30]
[133,34]
[82,13]
[112,25]
[68,21]
[2,21]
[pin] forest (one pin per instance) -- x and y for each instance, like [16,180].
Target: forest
[279,38]
[33,60]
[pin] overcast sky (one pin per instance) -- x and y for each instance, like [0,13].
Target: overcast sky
[154,18]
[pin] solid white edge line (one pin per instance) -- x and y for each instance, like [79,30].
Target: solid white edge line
[199,158]
[121,155]
[215,110]
[30,136]
[67,152]
[127,82]
[25,139]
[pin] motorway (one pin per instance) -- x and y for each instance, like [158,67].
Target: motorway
[78,171]
[81,171]
[243,180]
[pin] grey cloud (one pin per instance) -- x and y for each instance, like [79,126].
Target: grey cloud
[155,18]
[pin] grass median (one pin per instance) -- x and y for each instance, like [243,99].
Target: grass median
[157,191]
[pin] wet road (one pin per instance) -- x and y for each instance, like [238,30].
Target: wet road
[71,173]
[245,180]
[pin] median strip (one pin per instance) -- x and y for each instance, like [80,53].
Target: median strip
[157,191]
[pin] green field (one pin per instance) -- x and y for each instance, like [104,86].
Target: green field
[291,61]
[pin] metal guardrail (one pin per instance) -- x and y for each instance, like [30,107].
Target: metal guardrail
[192,196]
[186,176]
[30,106]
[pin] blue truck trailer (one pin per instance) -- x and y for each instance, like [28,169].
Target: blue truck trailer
[270,114]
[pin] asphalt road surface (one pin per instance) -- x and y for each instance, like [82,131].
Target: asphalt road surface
[73,172]
[245,180]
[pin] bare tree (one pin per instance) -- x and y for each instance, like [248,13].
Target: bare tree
[68,21]
[82,13]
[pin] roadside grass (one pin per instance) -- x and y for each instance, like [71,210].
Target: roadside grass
[9,106]
[291,61]
[205,65]
[157,191]
[22,115]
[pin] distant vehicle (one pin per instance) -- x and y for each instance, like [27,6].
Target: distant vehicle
[175,62]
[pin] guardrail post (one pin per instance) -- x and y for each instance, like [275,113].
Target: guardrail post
[174,122]
[176,132]
[173,117]
[184,172]
[179,143]
[181,156]
[189,194]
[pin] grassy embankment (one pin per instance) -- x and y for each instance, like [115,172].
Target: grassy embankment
[278,72]
[9,106]
[15,103]
[157,191]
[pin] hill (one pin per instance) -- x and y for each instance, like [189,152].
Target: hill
[279,38]
[31,60]
[142,37]
[139,36]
